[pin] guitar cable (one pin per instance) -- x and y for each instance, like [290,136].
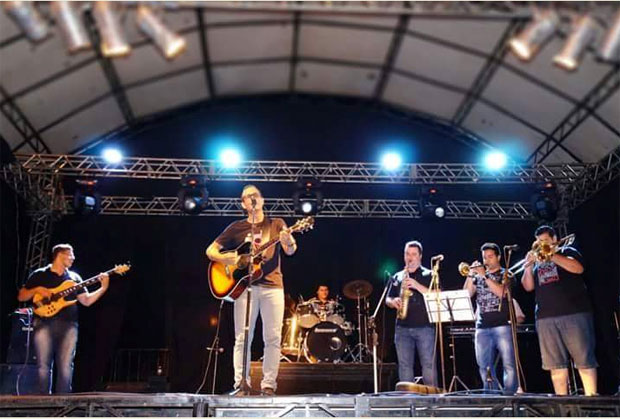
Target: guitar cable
[211,349]
[21,371]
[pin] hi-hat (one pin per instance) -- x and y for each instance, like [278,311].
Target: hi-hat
[357,289]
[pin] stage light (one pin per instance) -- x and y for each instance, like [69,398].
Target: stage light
[583,34]
[308,198]
[27,18]
[70,22]
[169,43]
[230,158]
[193,197]
[495,160]
[112,155]
[113,43]
[391,160]
[86,199]
[544,202]
[535,34]
[610,47]
[432,204]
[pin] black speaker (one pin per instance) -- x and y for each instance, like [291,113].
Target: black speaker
[28,379]
[21,343]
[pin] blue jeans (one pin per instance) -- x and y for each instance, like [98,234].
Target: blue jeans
[407,339]
[488,342]
[55,341]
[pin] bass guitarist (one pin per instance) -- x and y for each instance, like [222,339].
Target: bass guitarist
[55,338]
[268,292]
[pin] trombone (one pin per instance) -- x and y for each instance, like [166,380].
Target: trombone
[543,252]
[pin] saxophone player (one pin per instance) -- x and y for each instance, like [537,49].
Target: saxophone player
[413,330]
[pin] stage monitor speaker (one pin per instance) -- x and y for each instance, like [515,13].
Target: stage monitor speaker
[27,374]
[21,325]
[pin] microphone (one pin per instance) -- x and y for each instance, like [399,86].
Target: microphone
[437,257]
[253,202]
[512,247]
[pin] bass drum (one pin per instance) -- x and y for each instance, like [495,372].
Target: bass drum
[326,342]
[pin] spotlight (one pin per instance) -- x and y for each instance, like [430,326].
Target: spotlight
[391,160]
[535,34]
[113,43]
[193,197]
[169,43]
[27,18]
[230,158]
[70,22]
[308,198]
[610,48]
[87,200]
[583,34]
[495,160]
[544,202]
[432,204]
[112,155]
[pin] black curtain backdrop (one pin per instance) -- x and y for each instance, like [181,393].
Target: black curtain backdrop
[164,301]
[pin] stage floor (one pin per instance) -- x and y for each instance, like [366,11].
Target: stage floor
[316,405]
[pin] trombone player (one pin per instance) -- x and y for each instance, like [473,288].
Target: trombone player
[564,320]
[493,332]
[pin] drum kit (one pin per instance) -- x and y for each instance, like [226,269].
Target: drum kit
[319,331]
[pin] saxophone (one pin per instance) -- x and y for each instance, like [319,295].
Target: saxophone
[404,295]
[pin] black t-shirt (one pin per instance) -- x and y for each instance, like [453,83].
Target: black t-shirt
[559,292]
[487,313]
[416,312]
[241,231]
[44,277]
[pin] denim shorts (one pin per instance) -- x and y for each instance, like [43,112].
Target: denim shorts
[563,335]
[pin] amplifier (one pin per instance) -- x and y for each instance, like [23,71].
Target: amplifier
[22,321]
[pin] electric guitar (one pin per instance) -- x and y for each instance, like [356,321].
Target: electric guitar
[227,282]
[50,306]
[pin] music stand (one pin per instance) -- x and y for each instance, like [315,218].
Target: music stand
[450,306]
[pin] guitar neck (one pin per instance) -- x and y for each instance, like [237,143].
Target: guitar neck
[83,284]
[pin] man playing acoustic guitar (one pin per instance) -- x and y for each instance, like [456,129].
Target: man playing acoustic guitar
[267,292]
[55,338]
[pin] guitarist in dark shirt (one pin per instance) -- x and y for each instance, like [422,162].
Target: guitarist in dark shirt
[268,294]
[55,338]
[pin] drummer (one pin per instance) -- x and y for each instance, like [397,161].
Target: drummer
[322,295]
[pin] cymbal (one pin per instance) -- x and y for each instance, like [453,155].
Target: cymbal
[358,288]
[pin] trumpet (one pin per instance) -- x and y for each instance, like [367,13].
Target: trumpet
[465,268]
[543,252]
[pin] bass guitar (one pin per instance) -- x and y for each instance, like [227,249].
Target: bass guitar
[227,282]
[49,306]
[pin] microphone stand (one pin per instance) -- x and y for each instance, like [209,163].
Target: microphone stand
[244,387]
[373,327]
[434,287]
[507,292]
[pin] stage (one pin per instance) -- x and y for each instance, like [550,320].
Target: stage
[316,405]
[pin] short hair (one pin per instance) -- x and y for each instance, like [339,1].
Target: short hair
[62,247]
[321,285]
[490,246]
[248,186]
[545,229]
[413,243]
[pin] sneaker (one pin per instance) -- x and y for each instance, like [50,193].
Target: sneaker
[268,391]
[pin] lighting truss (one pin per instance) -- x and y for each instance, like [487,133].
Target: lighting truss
[290,171]
[332,208]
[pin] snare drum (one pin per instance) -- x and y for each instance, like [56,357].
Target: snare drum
[307,315]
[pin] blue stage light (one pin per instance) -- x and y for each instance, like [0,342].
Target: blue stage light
[112,155]
[230,158]
[391,160]
[495,160]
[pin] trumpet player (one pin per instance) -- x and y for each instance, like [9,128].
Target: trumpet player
[493,332]
[413,330]
[563,312]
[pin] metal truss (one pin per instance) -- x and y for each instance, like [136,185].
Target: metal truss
[596,97]
[38,250]
[16,117]
[332,208]
[594,179]
[290,171]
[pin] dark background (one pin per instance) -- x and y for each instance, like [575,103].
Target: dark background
[164,302]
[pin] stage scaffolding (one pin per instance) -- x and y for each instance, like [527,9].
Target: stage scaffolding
[37,179]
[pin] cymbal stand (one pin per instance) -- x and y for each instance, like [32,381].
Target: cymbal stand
[360,351]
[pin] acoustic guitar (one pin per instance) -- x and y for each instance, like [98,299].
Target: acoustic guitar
[227,282]
[50,306]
